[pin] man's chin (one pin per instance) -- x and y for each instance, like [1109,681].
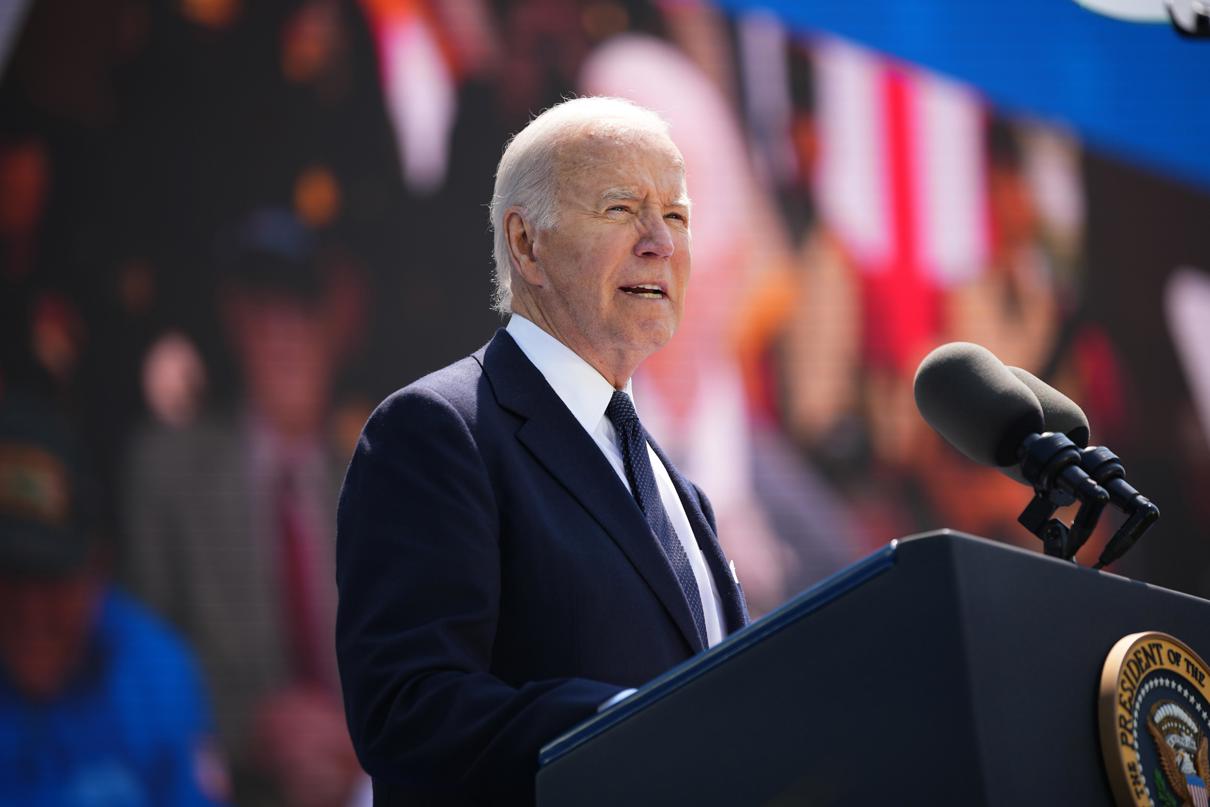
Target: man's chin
[651,337]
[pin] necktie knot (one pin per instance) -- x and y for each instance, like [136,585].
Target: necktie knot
[621,413]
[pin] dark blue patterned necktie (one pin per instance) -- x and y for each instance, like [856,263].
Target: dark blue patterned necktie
[633,439]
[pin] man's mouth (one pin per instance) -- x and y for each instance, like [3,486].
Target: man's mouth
[648,290]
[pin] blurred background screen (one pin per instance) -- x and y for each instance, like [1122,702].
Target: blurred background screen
[229,228]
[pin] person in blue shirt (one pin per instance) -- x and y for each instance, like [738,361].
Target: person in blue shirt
[100,703]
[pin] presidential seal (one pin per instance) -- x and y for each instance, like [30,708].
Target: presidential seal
[1154,712]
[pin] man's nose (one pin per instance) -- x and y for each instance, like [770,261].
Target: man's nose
[656,239]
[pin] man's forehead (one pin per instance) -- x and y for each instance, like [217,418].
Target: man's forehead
[606,143]
[623,166]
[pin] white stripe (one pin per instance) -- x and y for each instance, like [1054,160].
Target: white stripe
[762,52]
[420,98]
[949,179]
[1187,309]
[851,183]
[12,20]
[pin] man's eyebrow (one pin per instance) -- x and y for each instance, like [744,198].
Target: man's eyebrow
[625,194]
[681,200]
[620,194]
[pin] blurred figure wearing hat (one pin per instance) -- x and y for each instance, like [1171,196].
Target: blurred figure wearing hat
[100,703]
[230,517]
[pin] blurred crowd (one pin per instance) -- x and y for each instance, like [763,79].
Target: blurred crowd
[227,229]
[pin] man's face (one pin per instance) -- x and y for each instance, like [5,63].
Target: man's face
[616,264]
[286,358]
[44,629]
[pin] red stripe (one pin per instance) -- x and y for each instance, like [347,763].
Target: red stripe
[902,309]
[900,146]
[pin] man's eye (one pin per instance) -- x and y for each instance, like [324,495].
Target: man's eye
[621,208]
[676,216]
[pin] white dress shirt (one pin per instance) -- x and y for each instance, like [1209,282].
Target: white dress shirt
[586,393]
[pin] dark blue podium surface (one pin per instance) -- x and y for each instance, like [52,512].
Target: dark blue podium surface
[943,669]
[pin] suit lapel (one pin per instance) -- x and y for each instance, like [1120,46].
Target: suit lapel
[735,610]
[561,445]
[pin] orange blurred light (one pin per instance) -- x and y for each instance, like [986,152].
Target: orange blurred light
[310,40]
[317,196]
[603,20]
[211,13]
[57,335]
[136,286]
[24,179]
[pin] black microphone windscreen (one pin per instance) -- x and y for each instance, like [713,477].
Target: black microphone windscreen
[972,400]
[1059,413]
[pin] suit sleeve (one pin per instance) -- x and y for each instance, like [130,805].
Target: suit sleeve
[418,571]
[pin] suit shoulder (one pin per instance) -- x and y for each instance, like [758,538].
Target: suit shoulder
[453,382]
[455,388]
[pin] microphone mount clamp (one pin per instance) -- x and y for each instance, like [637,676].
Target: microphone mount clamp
[1051,463]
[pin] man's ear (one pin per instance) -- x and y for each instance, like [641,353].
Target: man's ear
[520,234]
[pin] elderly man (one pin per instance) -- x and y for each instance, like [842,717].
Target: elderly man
[513,551]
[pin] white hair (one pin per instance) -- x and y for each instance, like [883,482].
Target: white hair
[526,178]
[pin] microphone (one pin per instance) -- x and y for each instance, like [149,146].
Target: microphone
[972,400]
[1059,413]
[1062,414]
[988,413]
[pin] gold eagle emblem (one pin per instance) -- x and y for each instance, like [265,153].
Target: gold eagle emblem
[1182,746]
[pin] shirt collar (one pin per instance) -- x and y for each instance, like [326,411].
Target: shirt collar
[582,389]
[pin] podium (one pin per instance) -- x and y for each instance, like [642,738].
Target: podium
[943,669]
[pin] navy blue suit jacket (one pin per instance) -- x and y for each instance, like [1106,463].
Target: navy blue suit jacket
[497,582]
